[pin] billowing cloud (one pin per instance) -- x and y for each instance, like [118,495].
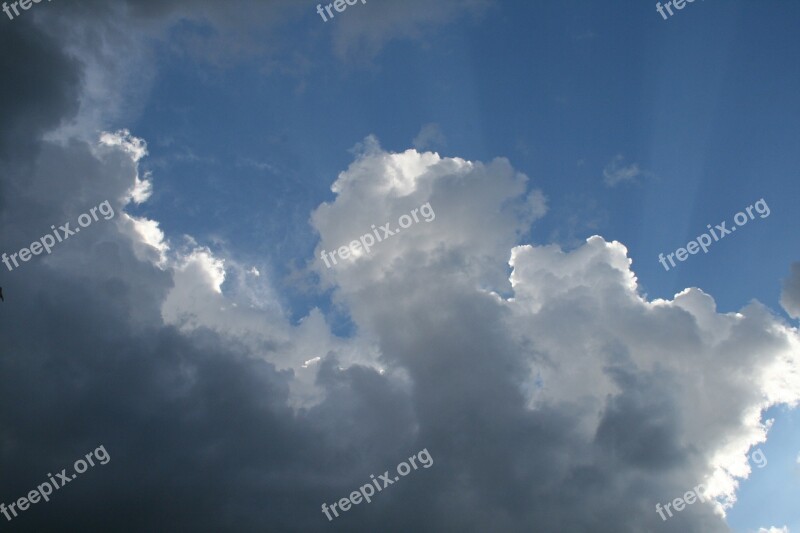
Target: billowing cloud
[480,212]
[557,395]
[644,386]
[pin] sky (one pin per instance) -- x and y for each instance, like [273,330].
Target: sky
[537,335]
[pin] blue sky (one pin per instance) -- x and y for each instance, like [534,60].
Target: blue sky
[251,113]
[702,102]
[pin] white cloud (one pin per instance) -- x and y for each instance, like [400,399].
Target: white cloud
[622,339]
[481,210]
[683,383]
[149,242]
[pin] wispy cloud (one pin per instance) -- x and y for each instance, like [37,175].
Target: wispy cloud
[617,172]
[430,136]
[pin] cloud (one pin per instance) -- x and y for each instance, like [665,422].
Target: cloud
[91,65]
[40,88]
[481,212]
[558,379]
[577,331]
[617,172]
[783,529]
[548,389]
[430,136]
[257,30]
[790,296]
[363,32]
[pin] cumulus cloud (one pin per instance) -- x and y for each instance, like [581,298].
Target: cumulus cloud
[481,211]
[783,529]
[790,296]
[558,379]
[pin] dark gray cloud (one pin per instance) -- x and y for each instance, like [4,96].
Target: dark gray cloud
[790,296]
[40,88]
